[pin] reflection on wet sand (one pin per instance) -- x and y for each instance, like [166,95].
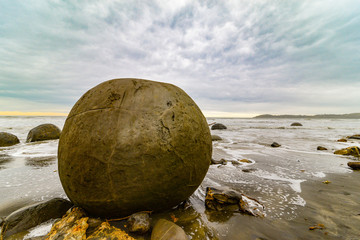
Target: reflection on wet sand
[38,162]
[4,160]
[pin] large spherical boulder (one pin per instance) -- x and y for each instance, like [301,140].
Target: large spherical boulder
[8,139]
[130,145]
[43,132]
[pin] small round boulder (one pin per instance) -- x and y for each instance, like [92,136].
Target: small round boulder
[43,132]
[218,126]
[130,145]
[296,124]
[8,139]
[354,165]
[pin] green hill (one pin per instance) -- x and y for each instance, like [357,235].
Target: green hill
[318,116]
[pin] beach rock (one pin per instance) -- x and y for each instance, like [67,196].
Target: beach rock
[342,140]
[105,231]
[218,126]
[130,145]
[75,218]
[229,200]
[235,162]
[221,161]
[43,132]
[215,138]
[94,224]
[76,225]
[320,148]
[354,165]
[139,222]
[252,206]
[220,200]
[166,230]
[353,151]
[275,144]
[296,124]
[31,216]
[8,139]
[357,136]
[245,161]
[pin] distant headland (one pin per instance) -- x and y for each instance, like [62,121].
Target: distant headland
[318,116]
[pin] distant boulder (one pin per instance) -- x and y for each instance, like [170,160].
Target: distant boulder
[215,138]
[353,151]
[8,139]
[342,140]
[43,132]
[221,161]
[356,136]
[354,165]
[296,124]
[320,148]
[218,126]
[275,144]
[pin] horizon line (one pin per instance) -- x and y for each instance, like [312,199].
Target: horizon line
[39,114]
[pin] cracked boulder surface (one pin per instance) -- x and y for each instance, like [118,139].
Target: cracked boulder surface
[131,145]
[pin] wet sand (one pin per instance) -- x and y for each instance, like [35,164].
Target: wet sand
[287,180]
[335,205]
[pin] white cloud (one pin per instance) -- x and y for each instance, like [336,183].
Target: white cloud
[254,56]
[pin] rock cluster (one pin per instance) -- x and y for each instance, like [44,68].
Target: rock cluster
[229,200]
[130,145]
[76,224]
[40,133]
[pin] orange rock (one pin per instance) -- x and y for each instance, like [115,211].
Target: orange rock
[245,161]
[105,231]
[73,220]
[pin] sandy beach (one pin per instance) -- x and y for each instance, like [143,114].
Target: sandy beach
[300,187]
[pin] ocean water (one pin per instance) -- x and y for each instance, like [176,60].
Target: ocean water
[287,180]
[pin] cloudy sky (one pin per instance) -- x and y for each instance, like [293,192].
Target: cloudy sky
[234,58]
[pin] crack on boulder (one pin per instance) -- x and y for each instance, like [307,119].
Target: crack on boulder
[163,126]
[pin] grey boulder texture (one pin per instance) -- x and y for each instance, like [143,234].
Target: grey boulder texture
[130,145]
